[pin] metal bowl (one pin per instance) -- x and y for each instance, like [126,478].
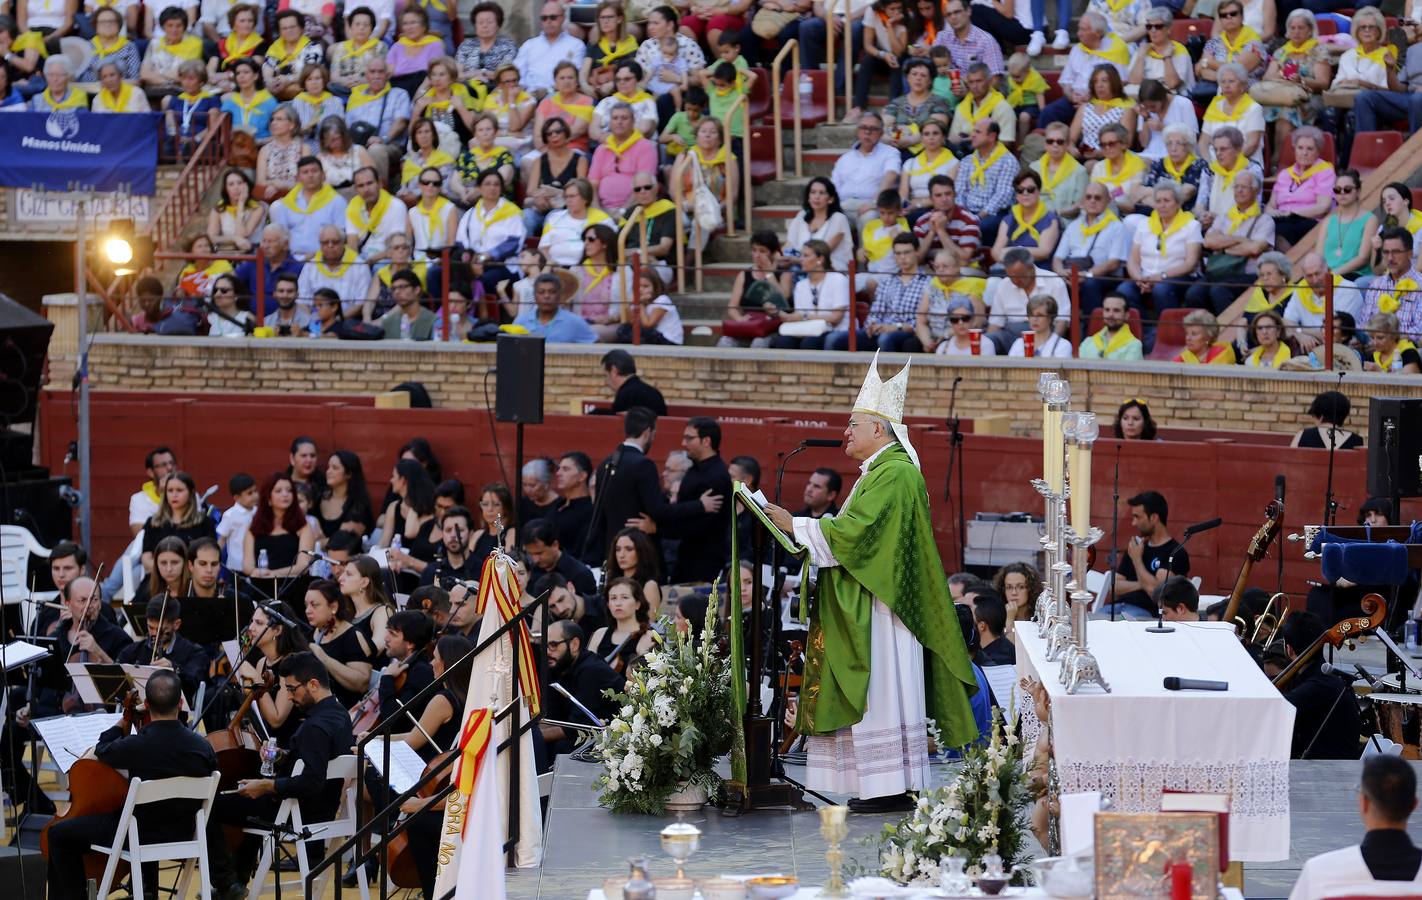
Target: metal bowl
[773,887]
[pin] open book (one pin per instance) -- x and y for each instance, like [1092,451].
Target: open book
[755,503]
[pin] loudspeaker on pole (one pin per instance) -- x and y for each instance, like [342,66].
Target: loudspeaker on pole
[519,396]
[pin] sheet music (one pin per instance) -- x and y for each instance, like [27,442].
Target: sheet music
[139,675]
[17,653]
[406,767]
[1003,680]
[233,650]
[759,497]
[69,737]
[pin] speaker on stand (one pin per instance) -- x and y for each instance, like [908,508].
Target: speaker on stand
[518,395]
[1395,450]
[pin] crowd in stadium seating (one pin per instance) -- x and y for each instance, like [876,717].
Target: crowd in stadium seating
[369,139]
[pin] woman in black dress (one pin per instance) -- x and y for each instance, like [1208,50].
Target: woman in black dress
[340,646]
[305,464]
[360,580]
[442,715]
[280,531]
[271,643]
[345,504]
[411,519]
[630,636]
[170,573]
[496,514]
[180,515]
[1329,411]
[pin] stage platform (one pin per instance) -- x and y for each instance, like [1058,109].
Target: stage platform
[584,843]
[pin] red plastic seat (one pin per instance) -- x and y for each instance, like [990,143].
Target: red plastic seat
[1372,148]
[762,151]
[1417,198]
[1097,322]
[760,94]
[1054,84]
[814,106]
[1327,27]
[1184,29]
[1169,334]
[1328,150]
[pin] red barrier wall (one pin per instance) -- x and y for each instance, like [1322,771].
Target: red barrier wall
[216,435]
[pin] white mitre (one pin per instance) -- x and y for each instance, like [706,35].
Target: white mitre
[886,400]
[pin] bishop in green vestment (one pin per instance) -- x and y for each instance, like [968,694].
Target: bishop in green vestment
[885,649]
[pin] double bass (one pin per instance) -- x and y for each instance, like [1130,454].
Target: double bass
[1258,549]
[1375,612]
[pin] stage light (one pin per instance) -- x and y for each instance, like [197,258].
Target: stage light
[118,250]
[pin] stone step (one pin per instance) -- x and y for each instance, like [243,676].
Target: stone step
[789,191]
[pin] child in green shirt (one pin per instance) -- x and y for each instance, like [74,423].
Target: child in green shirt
[680,132]
[726,85]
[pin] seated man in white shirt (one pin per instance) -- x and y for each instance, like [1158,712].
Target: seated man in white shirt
[865,169]
[1387,795]
[1006,298]
[540,53]
[336,267]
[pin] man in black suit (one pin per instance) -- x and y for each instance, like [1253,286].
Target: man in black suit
[540,542]
[627,388]
[628,484]
[695,518]
[583,674]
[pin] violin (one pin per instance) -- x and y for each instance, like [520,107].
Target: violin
[96,788]
[399,858]
[1375,612]
[365,715]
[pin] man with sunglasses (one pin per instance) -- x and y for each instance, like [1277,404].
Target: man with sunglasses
[654,235]
[1374,107]
[1097,243]
[542,52]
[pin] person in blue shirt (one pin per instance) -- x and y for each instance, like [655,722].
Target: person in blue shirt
[551,321]
[276,260]
[251,105]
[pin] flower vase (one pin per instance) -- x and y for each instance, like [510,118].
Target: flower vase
[688,797]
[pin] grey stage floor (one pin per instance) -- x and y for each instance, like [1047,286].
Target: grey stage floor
[585,843]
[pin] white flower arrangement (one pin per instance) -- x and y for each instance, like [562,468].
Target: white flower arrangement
[676,719]
[982,811]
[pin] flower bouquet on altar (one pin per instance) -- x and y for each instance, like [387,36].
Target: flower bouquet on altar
[676,720]
[980,812]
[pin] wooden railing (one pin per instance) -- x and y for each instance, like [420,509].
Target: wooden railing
[678,173]
[743,105]
[791,47]
[631,297]
[177,207]
[829,59]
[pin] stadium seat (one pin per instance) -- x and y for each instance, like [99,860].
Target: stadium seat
[1169,334]
[1053,78]
[1184,29]
[1327,26]
[762,152]
[1372,148]
[760,94]
[814,106]
[1096,323]
[1328,151]
[1417,198]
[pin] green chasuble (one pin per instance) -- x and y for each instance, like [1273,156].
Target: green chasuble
[883,540]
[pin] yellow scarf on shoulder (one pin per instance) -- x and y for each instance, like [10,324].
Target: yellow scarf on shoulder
[1309,300]
[1260,302]
[981,166]
[1281,356]
[620,147]
[117,103]
[1119,341]
[368,220]
[1178,175]
[1131,166]
[1052,178]
[1162,232]
[1216,112]
[319,200]
[1246,35]
[1386,363]
[245,48]
[1392,301]
[279,53]
[878,239]
[974,111]
[1034,83]
[1025,225]
[1112,49]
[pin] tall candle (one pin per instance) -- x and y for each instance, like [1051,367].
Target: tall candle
[1087,430]
[1044,381]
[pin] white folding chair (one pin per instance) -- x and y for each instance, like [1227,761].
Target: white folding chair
[17,545]
[128,847]
[343,769]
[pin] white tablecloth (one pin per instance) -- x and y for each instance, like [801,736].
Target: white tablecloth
[1031,893]
[1140,739]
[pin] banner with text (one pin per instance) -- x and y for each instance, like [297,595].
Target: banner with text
[69,151]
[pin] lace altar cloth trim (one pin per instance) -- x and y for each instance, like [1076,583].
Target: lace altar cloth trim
[1257,789]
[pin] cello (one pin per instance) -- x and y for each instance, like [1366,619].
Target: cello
[1258,549]
[399,857]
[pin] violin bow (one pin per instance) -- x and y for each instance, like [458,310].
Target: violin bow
[162,617]
[88,601]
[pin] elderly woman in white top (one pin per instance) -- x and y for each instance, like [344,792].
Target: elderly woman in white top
[1233,107]
[1180,165]
[1372,64]
[1161,58]
[1097,243]
[1165,255]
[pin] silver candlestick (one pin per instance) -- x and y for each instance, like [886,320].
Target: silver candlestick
[1048,540]
[1082,668]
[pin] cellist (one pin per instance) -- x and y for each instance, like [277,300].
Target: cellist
[1326,724]
[164,748]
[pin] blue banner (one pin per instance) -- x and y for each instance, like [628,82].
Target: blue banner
[80,151]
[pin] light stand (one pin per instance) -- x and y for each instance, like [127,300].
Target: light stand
[1330,506]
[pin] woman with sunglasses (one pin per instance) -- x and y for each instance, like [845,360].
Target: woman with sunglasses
[959,341]
[1342,241]
[1233,42]
[1028,223]
[546,175]
[600,288]
[433,221]
[1063,178]
[1161,58]
[226,320]
[1372,64]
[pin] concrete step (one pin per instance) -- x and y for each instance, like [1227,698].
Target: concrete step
[788,191]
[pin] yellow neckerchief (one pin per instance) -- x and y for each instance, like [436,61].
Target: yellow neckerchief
[1308,298]
[1389,303]
[1107,218]
[925,166]
[598,277]
[1119,341]
[1182,219]
[981,166]
[1246,34]
[1177,175]
[1259,301]
[1216,111]
[1394,356]
[1131,165]
[190,47]
[728,91]
[260,96]
[387,272]
[1118,103]
[364,220]
[29,40]
[215,268]
[318,200]
[72,99]
[973,111]
[718,160]
[314,102]
[361,95]
[437,4]
[595,216]
[1117,6]
[1034,83]
[501,211]
[482,156]
[458,92]
[1414,221]
[193,98]
[656,208]
[1377,57]
[1065,168]
[413,165]
[1292,49]
[1281,355]
[434,216]
[119,103]
[1026,226]
[243,50]
[352,51]
[1299,178]
[1175,48]
[150,490]
[493,104]
[279,53]
[1226,176]
[348,259]
[1112,49]
[626,46]
[618,149]
[1225,356]
[634,99]
[1237,218]
[576,110]
[877,239]
[100,50]
[414,47]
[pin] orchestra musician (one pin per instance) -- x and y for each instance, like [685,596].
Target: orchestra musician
[405,638]
[67,561]
[88,638]
[341,647]
[362,581]
[455,561]
[273,642]
[1326,725]
[169,575]
[214,610]
[164,748]
[323,735]
[166,647]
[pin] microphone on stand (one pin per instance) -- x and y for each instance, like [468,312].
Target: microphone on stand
[821,442]
[275,613]
[1199,527]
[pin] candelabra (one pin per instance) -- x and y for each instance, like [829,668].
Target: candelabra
[1080,667]
[1059,634]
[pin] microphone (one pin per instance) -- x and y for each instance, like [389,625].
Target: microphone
[317,554]
[1175,683]
[1340,671]
[1365,675]
[821,442]
[1279,488]
[1202,526]
[275,613]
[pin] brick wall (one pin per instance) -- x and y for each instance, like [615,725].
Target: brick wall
[1225,398]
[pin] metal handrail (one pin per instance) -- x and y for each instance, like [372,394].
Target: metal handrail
[181,200]
[631,307]
[792,47]
[829,57]
[743,104]
[678,198]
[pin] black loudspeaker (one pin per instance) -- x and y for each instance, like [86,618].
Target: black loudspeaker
[519,397]
[37,504]
[1394,447]
[24,341]
[24,871]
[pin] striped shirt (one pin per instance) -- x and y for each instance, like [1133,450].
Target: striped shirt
[978,46]
[1409,313]
[963,229]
